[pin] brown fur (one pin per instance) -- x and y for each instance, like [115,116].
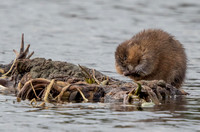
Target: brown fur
[152,55]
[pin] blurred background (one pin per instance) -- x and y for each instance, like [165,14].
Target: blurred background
[87,32]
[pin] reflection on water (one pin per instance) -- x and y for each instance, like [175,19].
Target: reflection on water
[176,115]
[87,33]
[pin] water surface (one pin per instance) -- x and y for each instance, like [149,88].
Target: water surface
[87,33]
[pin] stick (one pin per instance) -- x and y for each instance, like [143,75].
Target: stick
[10,69]
[62,92]
[29,56]
[93,73]
[34,90]
[22,44]
[83,69]
[48,90]
[83,96]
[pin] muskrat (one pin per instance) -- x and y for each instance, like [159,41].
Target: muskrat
[152,54]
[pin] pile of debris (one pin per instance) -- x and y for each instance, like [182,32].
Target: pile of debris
[44,80]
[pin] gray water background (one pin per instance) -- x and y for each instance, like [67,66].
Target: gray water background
[87,32]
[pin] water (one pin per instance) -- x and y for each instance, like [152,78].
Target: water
[87,33]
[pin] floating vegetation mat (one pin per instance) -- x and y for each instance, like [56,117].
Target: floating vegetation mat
[50,81]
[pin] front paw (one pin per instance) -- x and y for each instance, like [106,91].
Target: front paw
[139,72]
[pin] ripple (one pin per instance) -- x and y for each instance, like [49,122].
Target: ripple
[186,5]
[88,33]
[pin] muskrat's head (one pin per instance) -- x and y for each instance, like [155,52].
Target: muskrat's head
[128,58]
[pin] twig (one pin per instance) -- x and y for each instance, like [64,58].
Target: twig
[48,91]
[42,104]
[34,90]
[152,95]
[23,54]
[16,52]
[36,106]
[37,80]
[22,44]
[93,73]
[19,86]
[83,69]
[62,92]
[83,96]
[33,101]
[29,56]
[105,82]
[135,95]
[10,68]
